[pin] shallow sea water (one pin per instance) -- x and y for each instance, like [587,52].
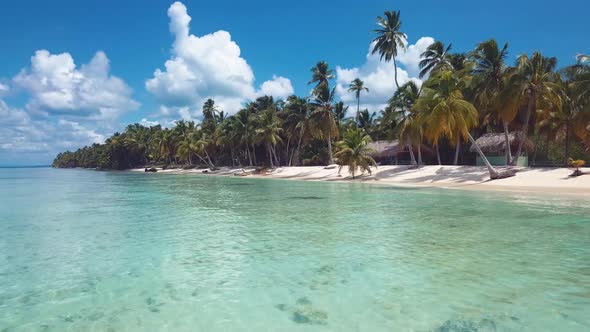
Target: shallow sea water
[118,251]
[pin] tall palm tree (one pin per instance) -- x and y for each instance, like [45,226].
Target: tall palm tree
[244,129]
[321,73]
[269,132]
[297,123]
[581,95]
[560,123]
[389,38]
[436,58]
[357,86]
[323,122]
[489,71]
[532,82]
[354,152]
[401,105]
[446,112]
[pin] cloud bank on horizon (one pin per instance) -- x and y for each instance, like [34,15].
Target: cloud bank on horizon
[69,106]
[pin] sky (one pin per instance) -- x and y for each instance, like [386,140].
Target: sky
[74,72]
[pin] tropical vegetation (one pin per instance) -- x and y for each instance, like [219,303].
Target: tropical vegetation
[463,96]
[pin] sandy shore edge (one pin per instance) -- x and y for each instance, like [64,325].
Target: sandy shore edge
[540,180]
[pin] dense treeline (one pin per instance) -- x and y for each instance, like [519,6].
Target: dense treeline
[464,96]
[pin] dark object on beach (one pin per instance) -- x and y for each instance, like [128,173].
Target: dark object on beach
[504,174]
[576,173]
[165,167]
[205,171]
[150,170]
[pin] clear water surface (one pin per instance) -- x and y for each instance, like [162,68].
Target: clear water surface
[115,251]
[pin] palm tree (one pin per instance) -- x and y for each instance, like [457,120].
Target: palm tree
[489,71]
[446,112]
[297,123]
[367,121]
[389,38]
[401,105]
[357,86]
[323,122]
[532,82]
[560,122]
[321,73]
[354,152]
[268,132]
[436,58]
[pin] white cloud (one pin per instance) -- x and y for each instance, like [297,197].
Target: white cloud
[68,107]
[278,87]
[208,66]
[379,76]
[24,139]
[410,59]
[3,89]
[56,86]
[147,123]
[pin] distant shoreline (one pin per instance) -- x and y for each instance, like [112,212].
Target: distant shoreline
[27,166]
[538,180]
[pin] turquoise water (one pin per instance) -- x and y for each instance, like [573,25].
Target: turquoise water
[109,251]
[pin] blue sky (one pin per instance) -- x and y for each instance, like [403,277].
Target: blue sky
[71,96]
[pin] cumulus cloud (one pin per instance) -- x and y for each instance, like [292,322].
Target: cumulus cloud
[57,86]
[208,66]
[66,107]
[24,139]
[278,87]
[379,76]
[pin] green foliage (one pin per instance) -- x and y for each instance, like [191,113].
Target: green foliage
[353,152]
[476,92]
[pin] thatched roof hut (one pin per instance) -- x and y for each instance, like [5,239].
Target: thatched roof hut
[389,150]
[385,149]
[496,143]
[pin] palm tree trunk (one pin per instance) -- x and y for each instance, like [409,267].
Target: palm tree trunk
[437,153]
[298,148]
[457,148]
[567,144]
[395,73]
[525,128]
[412,157]
[419,154]
[254,154]
[270,155]
[493,173]
[358,109]
[331,160]
[274,152]
[209,159]
[248,154]
[507,150]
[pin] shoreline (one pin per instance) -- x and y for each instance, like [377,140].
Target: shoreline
[552,181]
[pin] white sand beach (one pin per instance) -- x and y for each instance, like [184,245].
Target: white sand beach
[540,180]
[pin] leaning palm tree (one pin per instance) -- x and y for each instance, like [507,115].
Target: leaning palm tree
[448,113]
[489,71]
[389,38]
[435,59]
[321,73]
[357,86]
[532,82]
[353,151]
[322,119]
